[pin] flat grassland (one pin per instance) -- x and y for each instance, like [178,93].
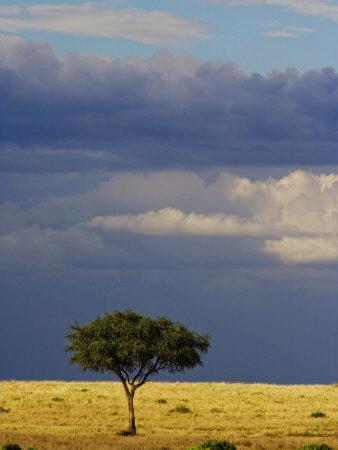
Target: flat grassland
[86,415]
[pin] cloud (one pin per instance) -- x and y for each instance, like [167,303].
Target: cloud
[170,221]
[91,19]
[301,207]
[323,8]
[293,218]
[163,112]
[37,246]
[297,204]
[9,10]
[304,250]
[142,218]
[275,30]
[279,34]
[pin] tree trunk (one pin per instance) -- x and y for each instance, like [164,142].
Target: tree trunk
[130,399]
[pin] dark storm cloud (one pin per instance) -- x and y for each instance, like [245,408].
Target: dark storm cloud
[82,111]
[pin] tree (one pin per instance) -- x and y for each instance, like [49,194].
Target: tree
[134,347]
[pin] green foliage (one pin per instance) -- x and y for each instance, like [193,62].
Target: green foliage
[316,447]
[10,446]
[317,414]
[57,399]
[161,400]
[213,444]
[32,448]
[126,342]
[2,409]
[84,390]
[125,433]
[181,409]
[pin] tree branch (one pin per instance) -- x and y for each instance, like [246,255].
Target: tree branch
[154,369]
[126,375]
[138,373]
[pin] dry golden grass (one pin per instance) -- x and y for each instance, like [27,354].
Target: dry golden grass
[87,415]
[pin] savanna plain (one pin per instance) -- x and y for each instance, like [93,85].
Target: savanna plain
[87,415]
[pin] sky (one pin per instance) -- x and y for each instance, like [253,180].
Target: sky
[175,158]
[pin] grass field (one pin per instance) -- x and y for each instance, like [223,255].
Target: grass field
[80,415]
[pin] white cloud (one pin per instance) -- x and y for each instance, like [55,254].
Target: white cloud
[91,19]
[304,250]
[170,221]
[300,208]
[275,30]
[323,8]
[299,29]
[279,34]
[300,202]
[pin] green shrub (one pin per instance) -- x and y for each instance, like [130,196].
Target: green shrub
[161,400]
[2,409]
[181,409]
[214,445]
[317,414]
[57,399]
[10,446]
[32,448]
[316,447]
[125,433]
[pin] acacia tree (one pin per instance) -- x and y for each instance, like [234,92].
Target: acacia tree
[134,347]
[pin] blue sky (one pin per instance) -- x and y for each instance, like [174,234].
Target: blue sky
[177,158]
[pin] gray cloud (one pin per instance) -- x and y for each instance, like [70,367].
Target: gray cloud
[163,112]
